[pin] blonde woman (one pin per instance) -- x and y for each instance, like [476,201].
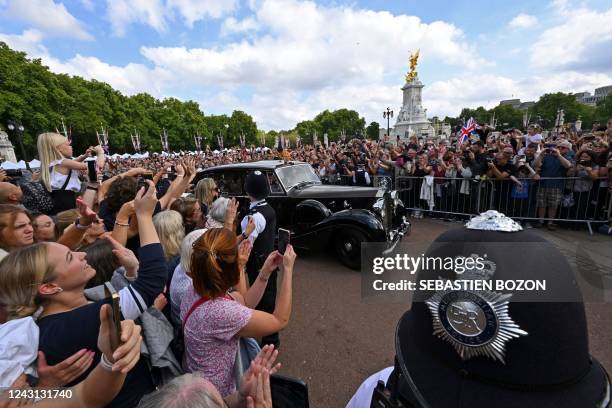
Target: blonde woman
[59,173]
[206,191]
[169,227]
[51,277]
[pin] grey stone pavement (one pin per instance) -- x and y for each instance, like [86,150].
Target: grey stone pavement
[335,339]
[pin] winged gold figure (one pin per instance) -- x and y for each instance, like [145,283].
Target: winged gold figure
[413,64]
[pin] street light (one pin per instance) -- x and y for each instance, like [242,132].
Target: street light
[17,129]
[388,114]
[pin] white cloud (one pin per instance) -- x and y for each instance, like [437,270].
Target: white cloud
[325,45]
[523,21]
[129,79]
[122,13]
[448,97]
[157,13]
[194,10]
[28,42]
[232,26]
[47,16]
[582,38]
[88,4]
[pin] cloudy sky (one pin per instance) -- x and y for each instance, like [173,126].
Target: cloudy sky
[283,61]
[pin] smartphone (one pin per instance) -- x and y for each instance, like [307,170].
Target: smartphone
[91,171]
[148,176]
[115,330]
[283,240]
[142,182]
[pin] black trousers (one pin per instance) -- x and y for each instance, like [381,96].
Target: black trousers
[267,302]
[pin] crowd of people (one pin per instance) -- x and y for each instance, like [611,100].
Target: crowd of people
[198,276]
[83,259]
[533,175]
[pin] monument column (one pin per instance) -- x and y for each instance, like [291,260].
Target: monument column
[7,152]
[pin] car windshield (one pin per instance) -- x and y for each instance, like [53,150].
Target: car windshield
[292,176]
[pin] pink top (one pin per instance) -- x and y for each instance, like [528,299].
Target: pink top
[211,338]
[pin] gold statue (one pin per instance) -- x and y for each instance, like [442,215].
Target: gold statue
[413,63]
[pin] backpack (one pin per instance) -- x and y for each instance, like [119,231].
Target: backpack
[36,197]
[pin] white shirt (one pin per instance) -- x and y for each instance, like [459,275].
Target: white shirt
[363,396]
[18,349]
[537,138]
[58,179]
[258,218]
[180,284]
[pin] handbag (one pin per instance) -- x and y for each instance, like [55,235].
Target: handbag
[567,200]
[63,199]
[36,198]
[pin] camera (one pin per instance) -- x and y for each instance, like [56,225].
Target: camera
[14,173]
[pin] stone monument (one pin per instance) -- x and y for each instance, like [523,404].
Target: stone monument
[6,148]
[412,117]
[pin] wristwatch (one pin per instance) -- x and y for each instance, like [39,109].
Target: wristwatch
[244,235]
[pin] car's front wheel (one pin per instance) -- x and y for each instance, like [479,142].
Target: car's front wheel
[348,247]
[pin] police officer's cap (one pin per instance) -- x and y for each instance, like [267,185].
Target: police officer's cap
[471,350]
[256,185]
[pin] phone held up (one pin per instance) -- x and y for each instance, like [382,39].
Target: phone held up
[283,240]
[91,171]
[115,329]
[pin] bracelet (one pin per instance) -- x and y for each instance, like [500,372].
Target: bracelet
[92,188]
[121,224]
[261,278]
[107,365]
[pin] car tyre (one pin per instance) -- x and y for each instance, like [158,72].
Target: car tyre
[348,247]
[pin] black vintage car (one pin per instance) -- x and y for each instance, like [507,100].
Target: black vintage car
[320,216]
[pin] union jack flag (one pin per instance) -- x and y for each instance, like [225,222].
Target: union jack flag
[467,129]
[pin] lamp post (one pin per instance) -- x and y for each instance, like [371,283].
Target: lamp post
[226,126]
[17,129]
[388,114]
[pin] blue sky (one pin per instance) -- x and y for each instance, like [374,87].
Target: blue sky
[284,61]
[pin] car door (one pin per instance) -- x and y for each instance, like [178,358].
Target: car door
[279,201]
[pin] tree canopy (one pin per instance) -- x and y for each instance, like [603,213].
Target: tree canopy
[40,99]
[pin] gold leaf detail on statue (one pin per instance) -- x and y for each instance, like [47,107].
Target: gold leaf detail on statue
[413,64]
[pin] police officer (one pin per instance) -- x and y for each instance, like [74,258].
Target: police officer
[262,238]
[360,176]
[461,347]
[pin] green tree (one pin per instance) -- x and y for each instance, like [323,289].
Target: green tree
[507,116]
[603,110]
[545,109]
[241,123]
[306,130]
[40,99]
[372,131]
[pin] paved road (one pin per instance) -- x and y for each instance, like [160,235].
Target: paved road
[334,340]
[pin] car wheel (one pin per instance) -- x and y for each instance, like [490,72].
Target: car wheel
[348,247]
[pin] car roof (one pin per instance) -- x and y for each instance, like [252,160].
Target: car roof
[258,165]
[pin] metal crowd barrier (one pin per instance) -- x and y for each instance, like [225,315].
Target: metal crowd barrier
[375,181]
[567,200]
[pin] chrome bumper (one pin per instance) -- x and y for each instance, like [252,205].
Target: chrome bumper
[395,235]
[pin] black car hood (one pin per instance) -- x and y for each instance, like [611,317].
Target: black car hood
[333,191]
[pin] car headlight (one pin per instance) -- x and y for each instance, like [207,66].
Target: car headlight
[379,207]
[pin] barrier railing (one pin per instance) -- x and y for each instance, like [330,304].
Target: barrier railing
[371,181]
[571,199]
